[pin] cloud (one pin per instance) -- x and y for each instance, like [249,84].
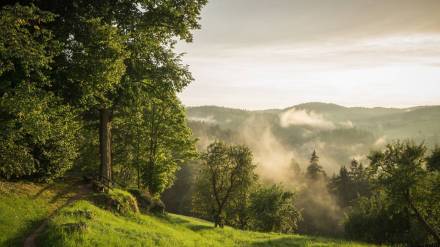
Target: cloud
[304,118]
[208,119]
[347,124]
[381,141]
[247,22]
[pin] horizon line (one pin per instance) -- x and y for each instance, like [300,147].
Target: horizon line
[311,102]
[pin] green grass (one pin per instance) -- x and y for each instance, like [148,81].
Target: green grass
[23,206]
[83,224]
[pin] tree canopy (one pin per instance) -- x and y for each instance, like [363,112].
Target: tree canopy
[77,66]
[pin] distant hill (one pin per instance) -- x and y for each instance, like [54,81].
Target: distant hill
[338,133]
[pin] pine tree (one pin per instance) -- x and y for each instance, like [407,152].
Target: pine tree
[314,170]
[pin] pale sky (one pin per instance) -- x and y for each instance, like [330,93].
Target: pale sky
[260,54]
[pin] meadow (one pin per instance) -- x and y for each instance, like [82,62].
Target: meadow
[23,206]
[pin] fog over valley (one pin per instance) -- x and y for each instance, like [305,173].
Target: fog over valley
[339,134]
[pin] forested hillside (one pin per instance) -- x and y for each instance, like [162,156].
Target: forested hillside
[338,133]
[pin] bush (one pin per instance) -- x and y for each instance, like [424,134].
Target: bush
[147,203]
[272,210]
[118,201]
[158,207]
[376,220]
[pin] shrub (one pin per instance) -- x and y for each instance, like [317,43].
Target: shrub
[74,227]
[147,203]
[87,214]
[158,207]
[272,210]
[119,201]
[377,220]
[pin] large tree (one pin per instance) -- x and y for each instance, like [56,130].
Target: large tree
[401,171]
[152,136]
[112,47]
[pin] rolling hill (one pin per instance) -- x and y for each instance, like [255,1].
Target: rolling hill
[338,133]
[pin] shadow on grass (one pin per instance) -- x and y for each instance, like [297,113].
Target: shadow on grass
[42,190]
[60,194]
[282,242]
[19,237]
[175,220]
[194,226]
[70,185]
[197,228]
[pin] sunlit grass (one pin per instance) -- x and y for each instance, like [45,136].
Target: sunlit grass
[84,224]
[23,206]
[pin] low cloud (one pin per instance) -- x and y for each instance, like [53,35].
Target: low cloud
[347,124]
[273,158]
[208,119]
[305,118]
[380,142]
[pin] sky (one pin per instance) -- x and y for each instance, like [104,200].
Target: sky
[261,54]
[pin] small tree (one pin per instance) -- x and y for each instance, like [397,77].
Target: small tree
[225,171]
[341,186]
[350,183]
[314,170]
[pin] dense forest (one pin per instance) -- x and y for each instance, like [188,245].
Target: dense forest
[89,89]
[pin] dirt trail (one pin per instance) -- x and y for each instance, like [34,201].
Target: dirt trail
[30,240]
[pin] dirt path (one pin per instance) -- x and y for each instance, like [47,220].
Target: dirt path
[30,240]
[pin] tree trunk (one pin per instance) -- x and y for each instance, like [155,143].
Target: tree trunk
[217,221]
[138,159]
[105,145]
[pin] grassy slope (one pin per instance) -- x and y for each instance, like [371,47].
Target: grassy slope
[103,228]
[24,205]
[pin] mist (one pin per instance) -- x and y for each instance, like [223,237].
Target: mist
[280,163]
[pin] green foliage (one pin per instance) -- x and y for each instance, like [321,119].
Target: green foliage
[88,159]
[272,210]
[120,201]
[147,203]
[399,167]
[314,170]
[375,219]
[38,132]
[96,53]
[226,192]
[153,140]
[27,47]
[433,160]
[121,63]
[407,201]
[40,140]
[350,183]
[226,173]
